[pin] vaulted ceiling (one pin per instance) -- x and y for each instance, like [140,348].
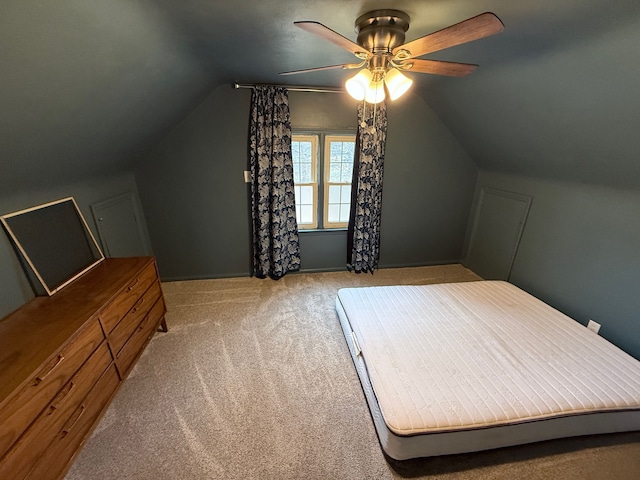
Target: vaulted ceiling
[87,87]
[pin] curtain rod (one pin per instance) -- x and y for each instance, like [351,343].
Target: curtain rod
[293,88]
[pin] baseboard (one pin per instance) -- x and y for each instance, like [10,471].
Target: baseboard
[396,265]
[322,270]
[308,270]
[204,277]
[422,264]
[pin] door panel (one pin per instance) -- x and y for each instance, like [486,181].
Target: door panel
[118,227]
[499,221]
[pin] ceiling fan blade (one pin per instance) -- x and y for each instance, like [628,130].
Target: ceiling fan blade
[317,69]
[474,28]
[436,67]
[334,37]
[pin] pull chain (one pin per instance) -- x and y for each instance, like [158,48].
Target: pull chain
[363,122]
[373,123]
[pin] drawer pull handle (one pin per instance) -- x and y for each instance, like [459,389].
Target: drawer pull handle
[42,376]
[60,397]
[132,286]
[138,305]
[68,428]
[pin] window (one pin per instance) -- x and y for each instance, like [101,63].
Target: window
[304,150]
[322,170]
[338,162]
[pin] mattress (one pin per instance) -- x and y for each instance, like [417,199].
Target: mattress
[460,367]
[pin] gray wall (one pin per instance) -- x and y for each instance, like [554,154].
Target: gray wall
[579,252]
[428,188]
[193,194]
[196,204]
[15,289]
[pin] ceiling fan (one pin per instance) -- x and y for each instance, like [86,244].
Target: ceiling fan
[383,53]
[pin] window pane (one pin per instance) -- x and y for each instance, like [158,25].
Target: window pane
[305,173]
[335,172]
[341,161]
[306,195]
[349,149]
[296,170]
[346,172]
[337,151]
[295,155]
[296,190]
[305,151]
[344,212]
[334,194]
[334,213]
[302,161]
[306,214]
[301,150]
[346,194]
[295,151]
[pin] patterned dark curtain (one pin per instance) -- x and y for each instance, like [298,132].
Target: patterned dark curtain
[363,237]
[276,248]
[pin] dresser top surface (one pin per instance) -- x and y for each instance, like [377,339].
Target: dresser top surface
[33,334]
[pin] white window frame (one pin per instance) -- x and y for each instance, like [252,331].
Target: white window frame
[328,139]
[321,158]
[313,139]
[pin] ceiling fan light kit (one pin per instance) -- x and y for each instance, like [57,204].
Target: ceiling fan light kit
[375,92]
[397,83]
[358,84]
[384,55]
[371,87]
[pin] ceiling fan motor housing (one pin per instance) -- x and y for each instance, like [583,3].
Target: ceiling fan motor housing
[380,31]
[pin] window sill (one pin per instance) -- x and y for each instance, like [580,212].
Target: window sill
[322,231]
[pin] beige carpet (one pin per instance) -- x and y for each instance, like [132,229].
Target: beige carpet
[254,381]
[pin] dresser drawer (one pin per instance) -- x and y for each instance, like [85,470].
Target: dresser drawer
[19,460]
[56,460]
[121,333]
[136,342]
[127,298]
[25,405]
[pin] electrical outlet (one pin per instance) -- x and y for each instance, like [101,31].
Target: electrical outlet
[593,326]
[247,176]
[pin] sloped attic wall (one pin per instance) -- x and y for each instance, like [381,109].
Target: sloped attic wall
[568,113]
[85,89]
[15,287]
[196,204]
[561,127]
[579,252]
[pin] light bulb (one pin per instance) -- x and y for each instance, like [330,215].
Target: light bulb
[375,92]
[357,85]
[397,83]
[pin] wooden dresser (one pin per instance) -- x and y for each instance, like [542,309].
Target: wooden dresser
[62,358]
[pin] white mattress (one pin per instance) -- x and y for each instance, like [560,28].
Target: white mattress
[452,368]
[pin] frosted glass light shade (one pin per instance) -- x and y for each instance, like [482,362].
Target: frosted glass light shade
[375,92]
[397,83]
[357,85]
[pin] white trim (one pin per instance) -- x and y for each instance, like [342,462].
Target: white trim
[51,291]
